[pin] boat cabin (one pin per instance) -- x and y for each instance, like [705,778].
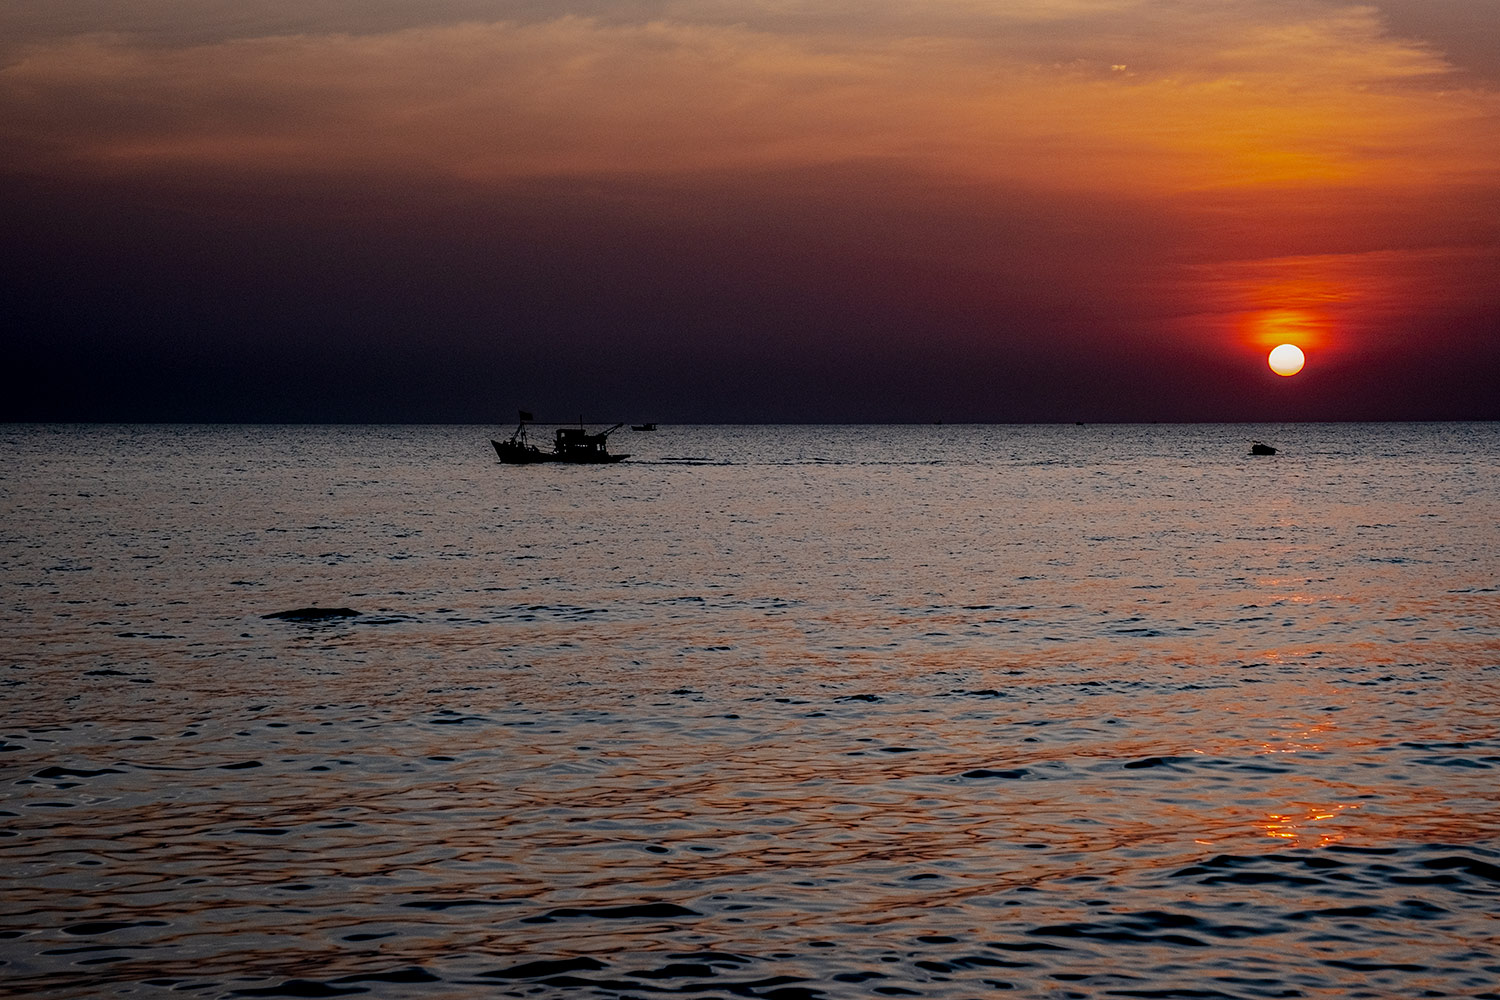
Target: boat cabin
[577,443]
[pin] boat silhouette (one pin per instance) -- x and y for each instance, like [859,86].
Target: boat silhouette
[569,444]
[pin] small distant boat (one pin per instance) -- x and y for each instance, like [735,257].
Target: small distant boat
[643,427]
[569,444]
[1256,448]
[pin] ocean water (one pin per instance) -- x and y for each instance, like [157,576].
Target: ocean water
[777,712]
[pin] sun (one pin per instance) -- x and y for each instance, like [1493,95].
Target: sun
[1286,359]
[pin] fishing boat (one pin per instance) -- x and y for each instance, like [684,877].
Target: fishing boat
[569,444]
[643,427]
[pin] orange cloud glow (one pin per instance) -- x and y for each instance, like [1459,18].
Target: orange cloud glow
[1338,302]
[1203,100]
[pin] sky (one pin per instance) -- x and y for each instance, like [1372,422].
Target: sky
[749,210]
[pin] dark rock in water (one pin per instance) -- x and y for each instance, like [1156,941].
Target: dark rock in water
[640,911]
[1257,448]
[313,614]
[1143,763]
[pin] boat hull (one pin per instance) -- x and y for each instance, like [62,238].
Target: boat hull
[588,459]
[513,453]
[520,454]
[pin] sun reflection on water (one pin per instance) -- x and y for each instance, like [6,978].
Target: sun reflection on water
[1295,825]
[1093,750]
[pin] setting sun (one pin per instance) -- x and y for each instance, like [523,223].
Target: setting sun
[1286,359]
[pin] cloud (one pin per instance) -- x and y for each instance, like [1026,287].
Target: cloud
[1465,32]
[1029,94]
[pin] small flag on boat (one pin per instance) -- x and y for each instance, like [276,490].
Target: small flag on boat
[525,415]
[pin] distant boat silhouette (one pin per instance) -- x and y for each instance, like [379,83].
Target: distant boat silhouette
[1256,448]
[643,427]
[569,444]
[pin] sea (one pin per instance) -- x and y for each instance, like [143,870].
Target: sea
[781,712]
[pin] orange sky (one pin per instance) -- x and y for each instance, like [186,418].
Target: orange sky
[1061,181]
